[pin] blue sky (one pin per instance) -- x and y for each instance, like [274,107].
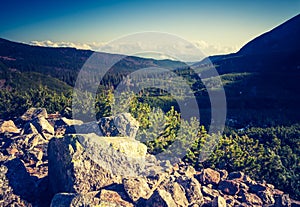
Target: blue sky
[220,26]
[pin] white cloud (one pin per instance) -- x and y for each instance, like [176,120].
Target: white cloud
[210,49]
[185,51]
[84,46]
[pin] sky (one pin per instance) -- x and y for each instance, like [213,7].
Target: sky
[216,27]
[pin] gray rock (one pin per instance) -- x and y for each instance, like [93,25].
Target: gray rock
[72,170]
[212,193]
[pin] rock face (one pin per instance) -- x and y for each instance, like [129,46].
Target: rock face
[90,170]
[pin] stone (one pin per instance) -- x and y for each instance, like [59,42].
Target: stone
[251,199]
[134,192]
[236,176]
[33,113]
[267,197]
[257,187]
[160,198]
[18,181]
[282,201]
[223,174]
[29,128]
[112,198]
[192,189]
[209,176]
[75,200]
[83,163]
[229,187]
[72,170]
[178,193]
[212,193]
[8,127]
[67,122]
[219,201]
[43,127]
[120,125]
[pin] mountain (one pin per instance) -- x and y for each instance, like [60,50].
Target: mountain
[262,78]
[65,63]
[275,51]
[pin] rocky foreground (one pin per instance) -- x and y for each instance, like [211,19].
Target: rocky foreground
[49,160]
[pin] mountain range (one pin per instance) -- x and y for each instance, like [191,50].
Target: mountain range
[262,75]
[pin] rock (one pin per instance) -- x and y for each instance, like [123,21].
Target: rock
[257,187]
[112,198]
[7,193]
[126,124]
[282,201]
[123,125]
[134,192]
[43,127]
[67,122]
[229,187]
[33,113]
[223,174]
[209,192]
[120,155]
[67,112]
[209,176]
[251,199]
[74,200]
[267,197]
[82,163]
[178,193]
[160,198]
[192,189]
[16,182]
[236,176]
[219,202]
[72,170]
[29,128]
[8,127]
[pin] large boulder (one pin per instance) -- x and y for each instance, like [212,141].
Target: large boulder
[8,127]
[83,163]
